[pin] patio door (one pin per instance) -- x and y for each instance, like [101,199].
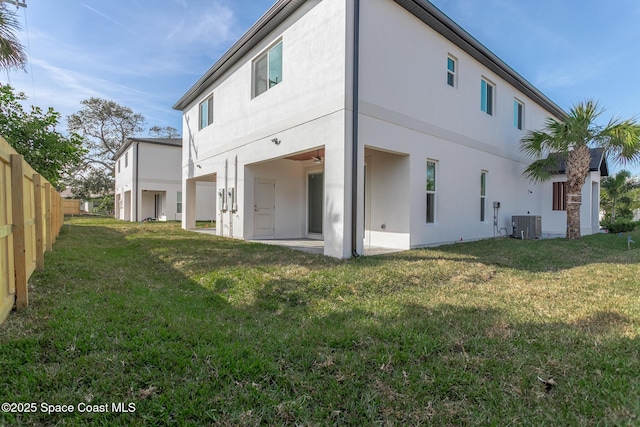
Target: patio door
[263,207]
[315,198]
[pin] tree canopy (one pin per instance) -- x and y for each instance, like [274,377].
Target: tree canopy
[104,125]
[33,134]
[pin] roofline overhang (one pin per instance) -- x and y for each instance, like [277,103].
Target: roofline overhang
[421,9]
[276,15]
[157,141]
[436,19]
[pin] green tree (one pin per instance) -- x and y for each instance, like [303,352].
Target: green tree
[34,135]
[618,195]
[94,183]
[12,54]
[572,139]
[104,125]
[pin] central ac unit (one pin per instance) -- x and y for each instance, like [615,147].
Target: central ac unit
[526,226]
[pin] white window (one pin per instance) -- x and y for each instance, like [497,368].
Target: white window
[452,65]
[487,90]
[267,70]
[483,195]
[179,204]
[126,159]
[118,166]
[518,114]
[431,191]
[206,112]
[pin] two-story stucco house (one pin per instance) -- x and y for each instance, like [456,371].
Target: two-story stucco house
[365,123]
[148,182]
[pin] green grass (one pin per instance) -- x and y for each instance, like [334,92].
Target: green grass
[198,330]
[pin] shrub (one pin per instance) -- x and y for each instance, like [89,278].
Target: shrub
[621,225]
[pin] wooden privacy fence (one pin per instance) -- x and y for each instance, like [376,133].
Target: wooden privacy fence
[30,220]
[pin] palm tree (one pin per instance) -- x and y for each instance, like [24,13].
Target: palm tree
[617,190]
[571,139]
[12,54]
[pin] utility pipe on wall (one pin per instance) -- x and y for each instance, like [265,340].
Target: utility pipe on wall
[354,153]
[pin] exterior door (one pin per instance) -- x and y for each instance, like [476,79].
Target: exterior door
[315,196]
[264,206]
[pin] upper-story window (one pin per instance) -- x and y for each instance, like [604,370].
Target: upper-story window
[487,90]
[267,70]
[452,65]
[518,114]
[126,159]
[118,166]
[206,112]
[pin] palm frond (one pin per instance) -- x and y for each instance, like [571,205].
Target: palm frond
[542,169]
[12,53]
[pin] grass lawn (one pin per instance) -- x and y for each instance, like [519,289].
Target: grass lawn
[191,329]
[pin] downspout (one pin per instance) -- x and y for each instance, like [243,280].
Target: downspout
[354,154]
[137,178]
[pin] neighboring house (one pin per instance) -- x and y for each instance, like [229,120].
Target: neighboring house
[554,213]
[364,123]
[149,184]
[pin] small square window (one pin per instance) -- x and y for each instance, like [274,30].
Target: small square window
[486,96]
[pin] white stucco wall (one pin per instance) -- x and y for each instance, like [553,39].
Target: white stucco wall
[159,172]
[408,107]
[408,114]
[304,112]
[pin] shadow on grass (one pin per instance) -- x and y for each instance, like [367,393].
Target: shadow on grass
[195,330]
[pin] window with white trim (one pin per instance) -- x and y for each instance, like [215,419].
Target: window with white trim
[179,204]
[206,112]
[487,90]
[267,70]
[126,159]
[452,65]
[518,114]
[431,188]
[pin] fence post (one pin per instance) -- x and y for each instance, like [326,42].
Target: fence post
[19,249]
[37,202]
[47,204]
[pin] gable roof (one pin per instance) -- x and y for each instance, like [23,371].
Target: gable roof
[421,9]
[598,162]
[175,142]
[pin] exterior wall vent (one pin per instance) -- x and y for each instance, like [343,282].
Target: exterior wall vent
[526,226]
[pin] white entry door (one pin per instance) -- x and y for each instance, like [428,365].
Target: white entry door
[264,206]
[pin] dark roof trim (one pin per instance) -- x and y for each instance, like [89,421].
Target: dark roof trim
[174,142]
[277,14]
[422,9]
[598,162]
[433,17]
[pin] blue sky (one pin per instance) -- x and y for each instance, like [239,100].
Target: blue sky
[146,54]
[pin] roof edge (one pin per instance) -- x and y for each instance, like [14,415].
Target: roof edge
[449,29]
[277,14]
[172,142]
